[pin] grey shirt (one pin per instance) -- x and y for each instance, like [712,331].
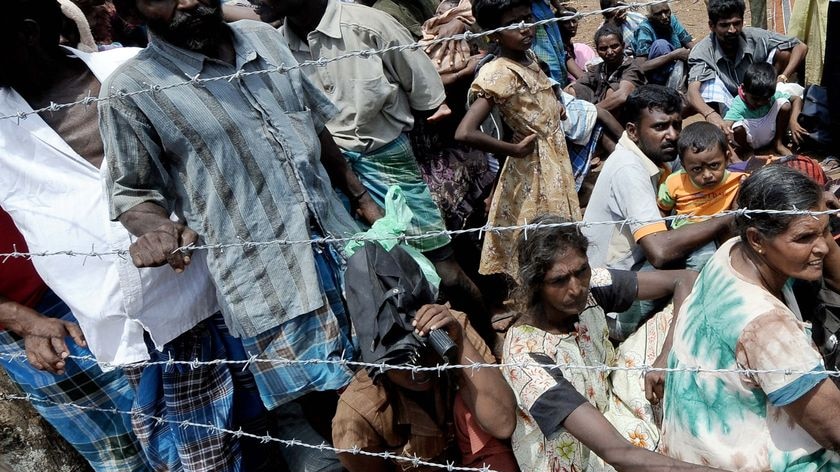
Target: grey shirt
[240,159]
[707,60]
[374,94]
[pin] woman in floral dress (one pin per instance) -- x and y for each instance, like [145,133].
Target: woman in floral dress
[552,353]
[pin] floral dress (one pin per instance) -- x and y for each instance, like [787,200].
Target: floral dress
[541,182]
[545,396]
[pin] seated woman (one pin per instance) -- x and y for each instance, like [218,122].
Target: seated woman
[561,425]
[580,54]
[742,315]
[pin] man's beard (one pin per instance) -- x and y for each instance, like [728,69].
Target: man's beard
[199,29]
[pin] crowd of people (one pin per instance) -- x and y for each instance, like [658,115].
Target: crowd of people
[218,188]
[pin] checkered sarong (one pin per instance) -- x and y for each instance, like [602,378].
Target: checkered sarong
[224,396]
[395,164]
[322,334]
[105,440]
[714,91]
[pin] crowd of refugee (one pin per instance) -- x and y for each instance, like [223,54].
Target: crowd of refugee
[212,198]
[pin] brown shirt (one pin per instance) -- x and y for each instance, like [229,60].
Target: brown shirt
[593,86]
[367,419]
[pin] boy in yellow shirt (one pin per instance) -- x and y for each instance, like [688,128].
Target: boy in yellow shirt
[703,187]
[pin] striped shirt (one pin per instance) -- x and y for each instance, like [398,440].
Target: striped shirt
[239,159]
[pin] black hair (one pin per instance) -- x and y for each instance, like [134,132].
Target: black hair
[723,9]
[760,79]
[536,252]
[651,97]
[775,187]
[606,30]
[701,136]
[488,13]
[47,13]
[608,4]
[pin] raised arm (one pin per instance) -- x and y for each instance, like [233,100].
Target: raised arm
[797,57]
[484,390]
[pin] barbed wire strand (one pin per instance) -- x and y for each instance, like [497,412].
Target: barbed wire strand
[320,62]
[356,450]
[431,234]
[20,356]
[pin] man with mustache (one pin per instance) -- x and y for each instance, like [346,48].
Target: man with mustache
[717,63]
[626,190]
[247,159]
[626,193]
[664,45]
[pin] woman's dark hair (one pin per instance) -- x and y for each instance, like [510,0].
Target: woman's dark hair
[536,252]
[700,137]
[760,80]
[723,9]
[775,187]
[606,30]
[488,13]
[47,13]
[651,97]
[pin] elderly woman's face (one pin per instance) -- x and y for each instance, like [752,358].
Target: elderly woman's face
[800,250]
[566,285]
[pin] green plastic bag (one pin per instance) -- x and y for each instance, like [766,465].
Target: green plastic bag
[388,229]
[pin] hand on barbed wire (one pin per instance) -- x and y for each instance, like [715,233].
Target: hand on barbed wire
[160,246]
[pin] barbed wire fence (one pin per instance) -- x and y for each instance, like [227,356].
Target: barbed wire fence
[405,238]
[197,80]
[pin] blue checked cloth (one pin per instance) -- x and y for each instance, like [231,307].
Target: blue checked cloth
[224,396]
[104,439]
[323,334]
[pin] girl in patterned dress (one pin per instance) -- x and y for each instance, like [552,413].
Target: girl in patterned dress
[537,176]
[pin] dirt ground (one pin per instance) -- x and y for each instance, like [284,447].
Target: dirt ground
[691,13]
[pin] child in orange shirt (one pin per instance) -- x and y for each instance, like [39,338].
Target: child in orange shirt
[703,187]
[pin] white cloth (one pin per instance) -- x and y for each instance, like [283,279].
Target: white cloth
[762,131]
[57,201]
[625,190]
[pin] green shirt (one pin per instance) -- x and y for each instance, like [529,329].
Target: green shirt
[739,110]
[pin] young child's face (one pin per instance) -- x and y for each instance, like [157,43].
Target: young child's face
[756,101]
[518,40]
[705,168]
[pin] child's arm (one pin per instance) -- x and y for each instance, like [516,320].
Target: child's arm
[469,133]
[574,69]
[796,130]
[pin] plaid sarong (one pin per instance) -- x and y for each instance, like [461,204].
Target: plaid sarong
[104,439]
[395,164]
[224,396]
[323,334]
[714,91]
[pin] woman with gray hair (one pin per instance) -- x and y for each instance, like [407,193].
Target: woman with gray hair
[750,391]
